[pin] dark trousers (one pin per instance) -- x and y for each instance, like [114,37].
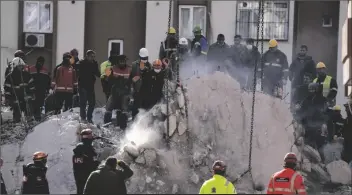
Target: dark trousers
[137,101]
[106,88]
[63,99]
[17,109]
[38,104]
[119,102]
[86,95]
[271,87]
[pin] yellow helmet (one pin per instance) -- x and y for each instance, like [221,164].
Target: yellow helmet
[320,65]
[272,43]
[337,108]
[172,30]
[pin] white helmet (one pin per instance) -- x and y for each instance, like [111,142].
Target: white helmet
[17,61]
[183,41]
[143,53]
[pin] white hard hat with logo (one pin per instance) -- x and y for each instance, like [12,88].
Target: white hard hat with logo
[183,41]
[17,61]
[143,53]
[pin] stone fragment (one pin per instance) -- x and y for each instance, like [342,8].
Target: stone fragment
[148,179]
[312,154]
[340,172]
[321,173]
[174,189]
[195,178]
[306,165]
[140,160]
[180,98]
[150,157]
[172,125]
[160,183]
[126,157]
[182,127]
[131,150]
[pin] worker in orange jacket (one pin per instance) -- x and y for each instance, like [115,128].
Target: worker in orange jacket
[288,180]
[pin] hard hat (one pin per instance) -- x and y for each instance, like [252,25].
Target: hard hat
[17,61]
[337,108]
[272,43]
[183,41]
[219,166]
[143,53]
[38,156]
[172,30]
[197,29]
[157,63]
[320,65]
[87,134]
[19,53]
[290,158]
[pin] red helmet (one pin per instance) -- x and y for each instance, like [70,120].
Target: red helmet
[219,166]
[38,156]
[290,158]
[87,134]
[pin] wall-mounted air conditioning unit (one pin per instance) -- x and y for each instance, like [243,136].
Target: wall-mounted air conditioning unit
[34,40]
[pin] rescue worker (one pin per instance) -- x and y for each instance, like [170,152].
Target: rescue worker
[183,49]
[301,68]
[347,134]
[199,45]
[20,54]
[153,85]
[252,59]
[139,67]
[42,83]
[169,45]
[34,175]
[274,70]
[74,53]
[288,180]
[87,71]
[3,186]
[328,85]
[218,52]
[218,184]
[108,179]
[84,159]
[238,55]
[119,76]
[104,83]
[19,90]
[336,123]
[64,83]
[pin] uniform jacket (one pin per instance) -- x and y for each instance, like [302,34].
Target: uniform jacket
[164,48]
[21,84]
[34,179]
[153,87]
[203,45]
[84,161]
[106,180]
[217,185]
[286,181]
[252,56]
[87,72]
[336,125]
[301,66]
[120,80]
[218,53]
[275,65]
[41,79]
[238,54]
[64,79]
[328,87]
[136,71]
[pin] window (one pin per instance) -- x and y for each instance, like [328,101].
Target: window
[38,16]
[276,16]
[191,16]
[115,46]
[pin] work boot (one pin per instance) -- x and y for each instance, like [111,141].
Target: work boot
[107,117]
[90,121]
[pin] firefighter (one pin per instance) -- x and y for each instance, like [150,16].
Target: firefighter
[288,180]
[274,70]
[34,175]
[104,83]
[336,124]
[218,184]
[169,45]
[108,179]
[328,85]
[183,49]
[19,90]
[64,83]
[84,159]
[218,52]
[199,45]
[42,85]
[20,54]
[119,76]
[3,186]
[87,71]
[139,67]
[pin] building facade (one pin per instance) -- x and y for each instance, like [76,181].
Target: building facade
[126,26]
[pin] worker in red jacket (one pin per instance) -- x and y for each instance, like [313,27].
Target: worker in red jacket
[64,83]
[288,180]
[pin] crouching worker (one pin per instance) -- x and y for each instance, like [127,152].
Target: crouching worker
[107,179]
[218,184]
[84,159]
[119,77]
[34,175]
[288,180]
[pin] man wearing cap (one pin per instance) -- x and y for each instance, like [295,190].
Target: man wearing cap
[288,180]
[274,70]
[169,45]
[218,184]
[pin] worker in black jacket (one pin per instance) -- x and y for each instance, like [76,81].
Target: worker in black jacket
[87,71]
[84,160]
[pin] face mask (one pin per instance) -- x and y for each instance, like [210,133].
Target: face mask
[144,61]
[249,47]
[157,70]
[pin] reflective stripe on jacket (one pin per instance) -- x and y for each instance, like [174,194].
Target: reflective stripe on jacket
[286,181]
[326,85]
[217,185]
[65,79]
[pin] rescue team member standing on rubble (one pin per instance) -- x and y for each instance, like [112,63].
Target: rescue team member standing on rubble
[218,52]
[20,54]
[87,69]
[169,45]
[107,179]
[199,45]
[139,67]
[104,82]
[19,90]
[42,85]
[119,76]
[336,124]
[328,85]
[34,175]
[275,70]
[3,186]
[218,184]
[64,83]
[84,159]
[288,180]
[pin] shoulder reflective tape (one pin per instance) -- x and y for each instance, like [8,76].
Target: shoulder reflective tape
[292,184]
[31,80]
[301,190]
[333,89]
[270,189]
[7,85]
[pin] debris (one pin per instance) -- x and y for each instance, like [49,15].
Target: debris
[160,183]
[140,160]
[195,178]
[340,172]
[172,125]
[131,150]
[312,154]
[148,179]
[150,157]
[174,189]
[182,127]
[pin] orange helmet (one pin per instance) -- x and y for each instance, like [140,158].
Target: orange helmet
[157,63]
[87,134]
[290,158]
[219,166]
[38,156]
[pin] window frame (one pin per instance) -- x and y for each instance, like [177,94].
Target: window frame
[115,41]
[191,7]
[51,17]
[287,24]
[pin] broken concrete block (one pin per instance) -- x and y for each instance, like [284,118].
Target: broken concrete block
[160,183]
[195,178]
[150,157]
[148,179]
[182,127]
[140,160]
[340,172]
[321,173]
[332,152]
[131,150]
[306,165]
[172,125]
[126,157]
[180,98]
[174,189]
[312,154]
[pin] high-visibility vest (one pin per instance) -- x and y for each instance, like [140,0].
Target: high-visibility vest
[326,85]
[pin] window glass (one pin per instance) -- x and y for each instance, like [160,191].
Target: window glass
[186,30]
[31,15]
[199,18]
[44,15]
[37,16]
